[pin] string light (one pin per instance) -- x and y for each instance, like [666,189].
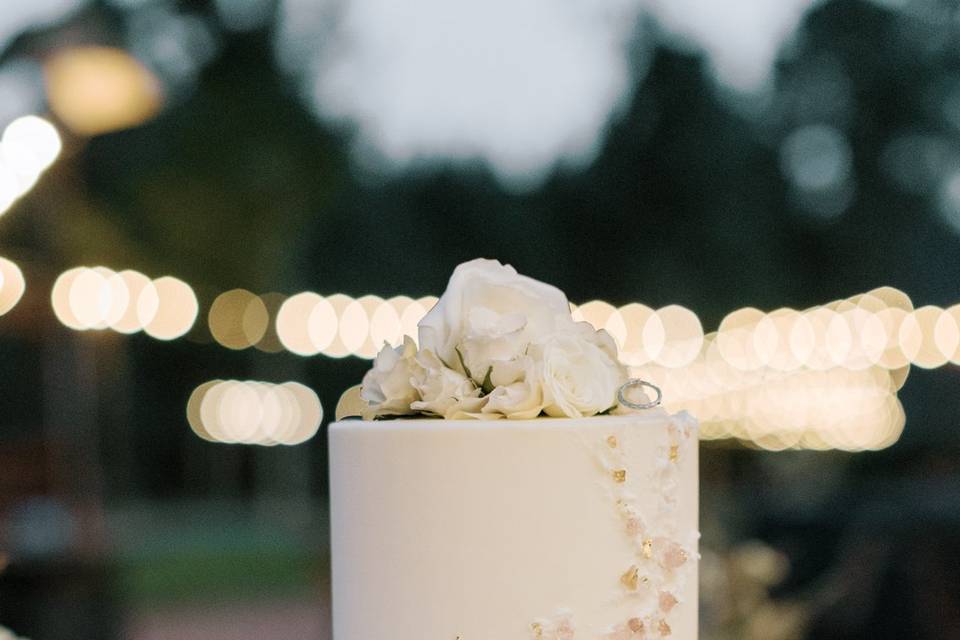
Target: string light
[12,285]
[97,298]
[252,412]
[238,319]
[28,146]
[824,378]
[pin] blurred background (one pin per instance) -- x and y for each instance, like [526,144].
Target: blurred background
[213,212]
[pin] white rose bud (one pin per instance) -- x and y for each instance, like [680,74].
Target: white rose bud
[388,386]
[443,391]
[579,377]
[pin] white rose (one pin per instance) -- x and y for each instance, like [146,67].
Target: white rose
[481,356]
[6,634]
[599,337]
[579,378]
[486,300]
[519,400]
[443,391]
[388,386]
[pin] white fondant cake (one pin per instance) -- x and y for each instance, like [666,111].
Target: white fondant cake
[551,529]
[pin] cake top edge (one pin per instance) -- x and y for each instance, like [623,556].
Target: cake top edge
[498,344]
[681,419]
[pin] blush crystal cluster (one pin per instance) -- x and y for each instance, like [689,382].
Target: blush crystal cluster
[497,345]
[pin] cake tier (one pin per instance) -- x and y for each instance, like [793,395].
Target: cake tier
[560,529]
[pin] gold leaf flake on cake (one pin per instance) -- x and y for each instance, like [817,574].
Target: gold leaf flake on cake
[631,577]
[612,442]
[560,627]
[674,452]
[620,475]
[646,548]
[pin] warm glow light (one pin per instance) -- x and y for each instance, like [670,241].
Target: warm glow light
[292,323]
[12,285]
[29,146]
[771,339]
[339,302]
[128,320]
[953,312]
[596,312]
[633,350]
[385,325]
[90,299]
[682,336]
[270,342]
[825,378]
[735,339]
[355,326]
[892,297]
[11,187]
[411,312]
[168,308]
[946,333]
[194,404]
[310,413]
[918,337]
[251,412]
[95,90]
[99,298]
[322,324]
[60,298]
[238,319]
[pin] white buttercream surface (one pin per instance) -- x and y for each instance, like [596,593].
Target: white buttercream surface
[485,530]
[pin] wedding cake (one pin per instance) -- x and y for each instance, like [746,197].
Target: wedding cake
[503,480]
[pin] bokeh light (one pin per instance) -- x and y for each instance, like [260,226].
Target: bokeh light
[355,326]
[167,308]
[824,378]
[238,319]
[12,285]
[292,323]
[129,320]
[127,302]
[29,145]
[94,90]
[252,412]
[943,341]
[682,336]
[270,342]
[323,323]
[816,160]
[337,347]
[735,339]
[918,337]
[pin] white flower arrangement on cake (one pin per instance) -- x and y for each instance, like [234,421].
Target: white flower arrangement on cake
[6,634]
[496,345]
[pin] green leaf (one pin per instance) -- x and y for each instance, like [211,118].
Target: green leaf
[462,363]
[487,385]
